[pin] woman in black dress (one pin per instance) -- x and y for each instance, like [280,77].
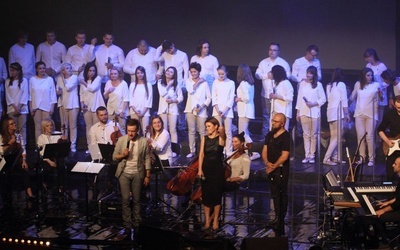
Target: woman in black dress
[211,170]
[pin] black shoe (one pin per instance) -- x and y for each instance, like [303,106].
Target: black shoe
[127,231]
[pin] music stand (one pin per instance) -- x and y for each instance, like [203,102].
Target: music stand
[87,168]
[157,168]
[101,152]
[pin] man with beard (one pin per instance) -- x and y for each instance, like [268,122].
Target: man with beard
[275,154]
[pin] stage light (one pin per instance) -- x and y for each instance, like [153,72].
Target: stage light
[48,243]
[41,243]
[16,240]
[22,241]
[10,240]
[4,239]
[28,241]
[35,242]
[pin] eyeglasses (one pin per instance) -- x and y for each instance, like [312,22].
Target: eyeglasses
[274,50]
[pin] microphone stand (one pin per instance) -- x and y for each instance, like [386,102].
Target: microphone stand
[357,154]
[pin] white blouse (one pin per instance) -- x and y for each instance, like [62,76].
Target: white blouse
[139,99]
[91,95]
[240,166]
[69,96]
[42,93]
[162,145]
[117,98]
[198,96]
[245,108]
[336,93]
[285,90]
[163,106]
[367,100]
[316,94]
[17,95]
[223,95]
[46,139]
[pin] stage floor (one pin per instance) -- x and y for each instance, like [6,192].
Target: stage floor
[63,219]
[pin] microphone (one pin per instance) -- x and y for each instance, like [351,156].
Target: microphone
[108,59]
[305,99]
[127,144]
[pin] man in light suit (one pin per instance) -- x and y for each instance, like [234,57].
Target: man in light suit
[133,156]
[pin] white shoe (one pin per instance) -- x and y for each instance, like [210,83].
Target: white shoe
[338,161]
[174,154]
[311,160]
[305,160]
[73,149]
[190,155]
[87,151]
[370,164]
[254,156]
[329,163]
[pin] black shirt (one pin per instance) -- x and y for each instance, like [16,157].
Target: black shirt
[275,146]
[391,121]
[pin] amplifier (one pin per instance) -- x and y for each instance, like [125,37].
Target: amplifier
[110,205]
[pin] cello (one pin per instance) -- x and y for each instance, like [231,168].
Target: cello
[182,183]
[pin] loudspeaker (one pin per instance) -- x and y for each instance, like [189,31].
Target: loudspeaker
[276,243]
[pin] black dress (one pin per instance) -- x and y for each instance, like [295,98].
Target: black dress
[212,186]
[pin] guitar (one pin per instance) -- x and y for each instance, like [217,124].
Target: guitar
[387,151]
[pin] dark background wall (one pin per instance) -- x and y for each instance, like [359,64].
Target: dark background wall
[239,31]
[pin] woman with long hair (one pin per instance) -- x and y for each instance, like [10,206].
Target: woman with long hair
[159,139]
[17,96]
[245,100]
[199,97]
[239,163]
[366,92]
[42,98]
[336,93]
[170,95]
[378,67]
[90,95]
[14,154]
[116,92]
[211,171]
[310,98]
[282,97]
[223,97]
[67,89]
[140,98]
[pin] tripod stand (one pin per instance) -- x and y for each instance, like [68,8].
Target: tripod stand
[158,168]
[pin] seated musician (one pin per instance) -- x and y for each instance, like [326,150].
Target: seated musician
[48,137]
[159,139]
[239,163]
[391,122]
[390,210]
[101,132]
[13,152]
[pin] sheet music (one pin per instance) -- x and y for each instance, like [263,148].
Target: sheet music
[87,167]
[95,152]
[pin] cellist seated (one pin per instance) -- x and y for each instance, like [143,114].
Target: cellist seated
[239,163]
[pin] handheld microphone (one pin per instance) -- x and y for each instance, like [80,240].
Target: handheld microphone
[127,144]
[108,59]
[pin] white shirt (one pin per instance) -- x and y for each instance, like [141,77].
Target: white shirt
[161,145]
[117,98]
[101,133]
[17,95]
[299,68]
[179,60]
[245,108]
[163,106]
[240,166]
[378,69]
[336,93]
[102,53]
[139,99]
[78,56]
[135,59]
[24,56]
[46,139]
[367,100]
[52,55]
[209,65]
[223,95]
[42,93]
[69,96]
[312,95]
[3,69]
[132,160]
[264,67]
[198,96]
[285,90]
[396,89]
[91,95]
